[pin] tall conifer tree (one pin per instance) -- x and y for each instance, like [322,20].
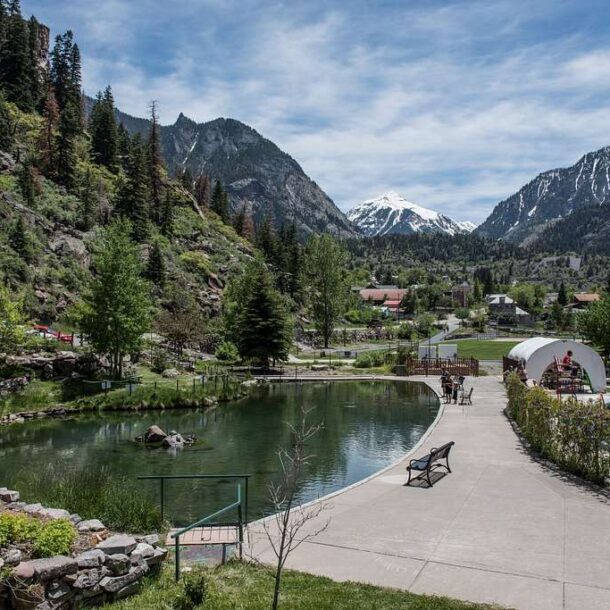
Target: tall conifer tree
[155,165]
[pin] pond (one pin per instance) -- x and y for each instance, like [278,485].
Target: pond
[367,425]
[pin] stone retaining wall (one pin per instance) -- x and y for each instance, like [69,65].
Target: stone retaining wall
[110,567]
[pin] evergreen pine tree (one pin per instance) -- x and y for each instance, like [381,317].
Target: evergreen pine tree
[186,179]
[102,126]
[7,127]
[266,241]
[17,237]
[262,330]
[132,195]
[219,202]
[47,144]
[26,183]
[155,164]
[123,145]
[562,295]
[239,220]
[67,132]
[167,220]
[155,269]
[88,195]
[15,62]
[293,263]
[202,190]
[35,78]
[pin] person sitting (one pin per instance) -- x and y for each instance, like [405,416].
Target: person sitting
[568,364]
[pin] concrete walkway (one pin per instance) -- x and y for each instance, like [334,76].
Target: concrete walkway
[500,529]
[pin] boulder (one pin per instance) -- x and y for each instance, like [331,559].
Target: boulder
[130,589]
[64,364]
[12,557]
[170,373]
[118,564]
[142,550]
[173,441]
[87,579]
[7,163]
[91,559]
[152,539]
[90,525]
[154,434]
[76,519]
[118,544]
[157,557]
[55,513]
[43,570]
[115,584]
[9,496]
[58,592]
[33,509]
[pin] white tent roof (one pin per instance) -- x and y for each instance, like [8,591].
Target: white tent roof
[539,353]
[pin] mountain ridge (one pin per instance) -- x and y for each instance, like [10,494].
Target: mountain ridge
[551,196]
[392,214]
[254,171]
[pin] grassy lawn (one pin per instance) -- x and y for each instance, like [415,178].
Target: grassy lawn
[246,587]
[40,395]
[483,350]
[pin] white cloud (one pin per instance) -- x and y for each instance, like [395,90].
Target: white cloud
[455,106]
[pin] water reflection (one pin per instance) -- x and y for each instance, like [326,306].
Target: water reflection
[367,425]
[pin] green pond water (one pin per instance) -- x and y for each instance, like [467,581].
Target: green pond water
[367,426]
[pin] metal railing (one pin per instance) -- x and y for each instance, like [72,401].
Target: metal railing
[239,504]
[206,520]
[163,477]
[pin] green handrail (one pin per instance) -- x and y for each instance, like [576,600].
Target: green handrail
[222,511]
[162,477]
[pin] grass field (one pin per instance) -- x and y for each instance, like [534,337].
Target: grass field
[247,587]
[483,350]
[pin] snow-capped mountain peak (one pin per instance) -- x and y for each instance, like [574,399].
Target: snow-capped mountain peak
[391,213]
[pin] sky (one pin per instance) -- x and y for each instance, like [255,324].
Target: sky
[455,104]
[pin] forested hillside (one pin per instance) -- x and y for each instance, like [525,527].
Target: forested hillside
[66,174]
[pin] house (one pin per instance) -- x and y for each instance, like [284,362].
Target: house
[393,307]
[503,308]
[461,294]
[378,296]
[582,300]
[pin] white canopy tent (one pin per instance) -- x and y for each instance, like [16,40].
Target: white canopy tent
[539,353]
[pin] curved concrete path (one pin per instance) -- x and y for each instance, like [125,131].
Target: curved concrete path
[500,529]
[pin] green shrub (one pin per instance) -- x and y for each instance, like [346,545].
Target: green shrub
[193,591]
[48,538]
[227,352]
[54,538]
[370,359]
[197,262]
[570,433]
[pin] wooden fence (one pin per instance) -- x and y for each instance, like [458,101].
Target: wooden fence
[435,366]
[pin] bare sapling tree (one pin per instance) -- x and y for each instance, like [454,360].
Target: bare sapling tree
[284,530]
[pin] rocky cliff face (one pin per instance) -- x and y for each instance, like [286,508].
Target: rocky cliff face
[551,197]
[391,214]
[252,169]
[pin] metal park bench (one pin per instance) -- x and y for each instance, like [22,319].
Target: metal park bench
[466,398]
[425,465]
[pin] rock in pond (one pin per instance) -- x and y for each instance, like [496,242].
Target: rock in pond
[154,434]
